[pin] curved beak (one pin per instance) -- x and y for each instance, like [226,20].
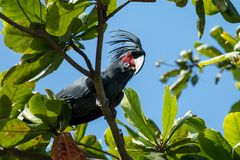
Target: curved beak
[139,61]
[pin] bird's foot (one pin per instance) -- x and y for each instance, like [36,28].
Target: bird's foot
[99,104]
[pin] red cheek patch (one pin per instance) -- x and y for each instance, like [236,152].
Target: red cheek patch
[129,59]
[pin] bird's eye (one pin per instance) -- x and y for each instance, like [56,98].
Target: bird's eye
[126,65]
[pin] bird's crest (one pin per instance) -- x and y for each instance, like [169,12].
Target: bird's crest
[124,41]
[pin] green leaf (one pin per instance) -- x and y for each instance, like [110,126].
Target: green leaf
[153,155]
[235,107]
[90,33]
[19,95]
[173,73]
[231,127]
[179,123]
[48,110]
[38,143]
[209,7]
[135,116]
[201,17]
[216,34]
[90,140]
[31,7]
[236,151]
[108,137]
[112,5]
[60,15]
[214,145]
[185,149]
[228,11]
[5,107]
[137,138]
[194,79]
[217,59]
[80,132]
[195,124]
[12,131]
[208,51]
[22,42]
[33,67]
[169,113]
[181,82]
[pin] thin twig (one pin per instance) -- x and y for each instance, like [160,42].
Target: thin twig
[117,10]
[23,154]
[23,11]
[20,27]
[40,12]
[66,57]
[99,150]
[85,57]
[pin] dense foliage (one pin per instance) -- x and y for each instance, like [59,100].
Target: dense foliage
[35,126]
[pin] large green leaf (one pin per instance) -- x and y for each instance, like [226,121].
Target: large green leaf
[5,106]
[23,42]
[214,145]
[33,67]
[12,131]
[231,126]
[169,113]
[18,95]
[48,110]
[208,51]
[135,116]
[31,7]
[195,124]
[60,15]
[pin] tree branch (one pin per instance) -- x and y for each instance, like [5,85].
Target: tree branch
[118,9]
[20,27]
[99,150]
[99,86]
[85,57]
[23,154]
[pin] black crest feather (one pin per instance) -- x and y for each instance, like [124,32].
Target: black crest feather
[125,42]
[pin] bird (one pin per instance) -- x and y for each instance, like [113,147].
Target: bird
[128,58]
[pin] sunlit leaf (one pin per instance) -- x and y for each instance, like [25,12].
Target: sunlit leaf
[48,110]
[216,34]
[80,132]
[22,42]
[214,145]
[60,15]
[209,51]
[33,67]
[12,131]
[135,116]
[231,126]
[209,7]
[19,95]
[169,113]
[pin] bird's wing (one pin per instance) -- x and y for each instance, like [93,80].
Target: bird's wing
[79,88]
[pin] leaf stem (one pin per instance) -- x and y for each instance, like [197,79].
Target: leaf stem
[99,150]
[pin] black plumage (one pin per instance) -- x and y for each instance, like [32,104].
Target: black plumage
[81,95]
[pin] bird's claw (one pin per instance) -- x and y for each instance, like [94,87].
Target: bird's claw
[99,104]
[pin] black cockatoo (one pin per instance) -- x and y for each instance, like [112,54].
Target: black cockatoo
[128,59]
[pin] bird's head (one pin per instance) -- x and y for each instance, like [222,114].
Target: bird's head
[128,51]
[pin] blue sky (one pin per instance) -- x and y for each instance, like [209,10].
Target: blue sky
[164,30]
